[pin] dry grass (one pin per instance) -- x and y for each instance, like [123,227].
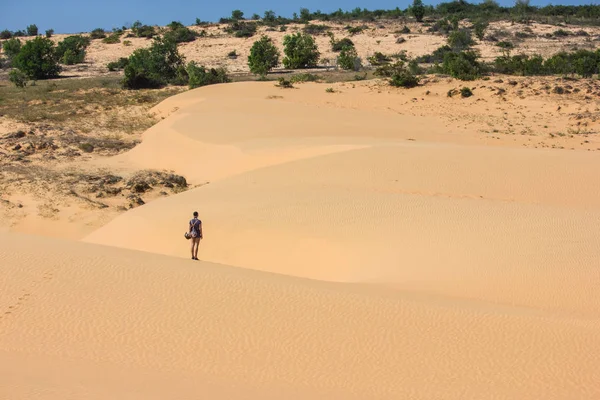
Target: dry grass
[90,102]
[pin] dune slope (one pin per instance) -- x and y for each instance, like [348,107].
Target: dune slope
[95,322]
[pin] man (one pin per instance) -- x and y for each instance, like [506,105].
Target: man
[196,234]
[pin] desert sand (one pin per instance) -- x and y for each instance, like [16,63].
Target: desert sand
[370,243]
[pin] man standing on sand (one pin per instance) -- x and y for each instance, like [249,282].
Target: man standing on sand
[196,234]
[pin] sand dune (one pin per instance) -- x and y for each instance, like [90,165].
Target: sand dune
[91,322]
[341,260]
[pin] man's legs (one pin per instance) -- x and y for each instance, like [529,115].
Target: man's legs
[197,240]
[193,240]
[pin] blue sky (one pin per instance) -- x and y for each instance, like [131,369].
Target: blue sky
[73,16]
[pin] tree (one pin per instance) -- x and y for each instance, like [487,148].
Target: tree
[71,50]
[480,27]
[418,10]
[200,76]
[237,15]
[32,30]
[49,33]
[154,67]
[12,47]
[304,15]
[18,78]
[301,51]
[37,59]
[348,59]
[6,34]
[263,57]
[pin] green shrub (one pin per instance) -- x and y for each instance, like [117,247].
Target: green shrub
[284,83]
[126,43]
[520,65]
[349,60]
[462,65]
[32,30]
[6,34]
[98,33]
[312,29]
[479,28]
[300,50]
[180,33]
[418,10]
[436,57]
[18,78]
[241,29]
[141,30]
[154,67]
[505,45]
[201,76]
[442,26]
[113,38]
[460,40]
[12,47]
[305,77]
[49,33]
[37,59]
[339,45]
[263,57]
[561,33]
[405,30]
[399,74]
[121,63]
[232,54]
[466,92]
[355,30]
[71,50]
[379,59]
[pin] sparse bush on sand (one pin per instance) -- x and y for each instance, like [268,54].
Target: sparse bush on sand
[37,59]
[300,50]
[154,67]
[201,76]
[263,57]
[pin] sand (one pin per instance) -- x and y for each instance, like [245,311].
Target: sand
[370,243]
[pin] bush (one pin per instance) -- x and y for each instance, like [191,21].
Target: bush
[12,48]
[179,33]
[399,74]
[520,65]
[18,78]
[37,59]
[49,33]
[304,78]
[379,59]
[200,76]
[349,60]
[301,51]
[479,28]
[154,67]
[113,38]
[466,92]
[418,10]
[436,57]
[242,29]
[405,30]
[98,33]
[561,33]
[32,30]
[71,50]
[284,83]
[462,65]
[505,45]
[121,63]
[263,57]
[316,29]
[6,34]
[141,30]
[460,40]
[339,45]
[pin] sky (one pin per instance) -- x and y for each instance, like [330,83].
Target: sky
[74,16]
